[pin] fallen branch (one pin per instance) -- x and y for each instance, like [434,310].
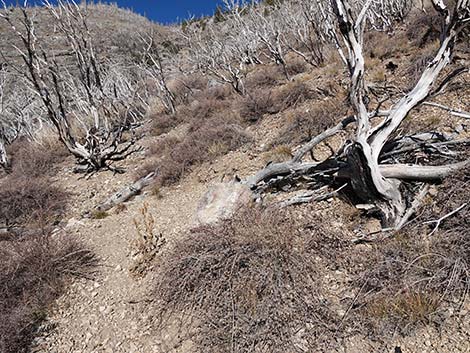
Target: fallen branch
[414,206]
[443,218]
[419,172]
[451,111]
[320,138]
[127,193]
[311,197]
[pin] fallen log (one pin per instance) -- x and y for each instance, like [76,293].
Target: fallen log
[127,193]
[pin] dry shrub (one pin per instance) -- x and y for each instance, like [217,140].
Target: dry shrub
[254,105]
[296,66]
[206,104]
[30,201]
[33,273]
[206,108]
[251,284]
[293,93]
[415,123]
[163,146]
[163,122]
[36,160]
[278,154]
[184,88]
[265,76]
[215,91]
[148,242]
[418,64]
[417,277]
[214,138]
[303,124]
[384,46]
[423,29]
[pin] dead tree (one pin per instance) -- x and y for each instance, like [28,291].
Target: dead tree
[303,35]
[4,160]
[237,29]
[19,113]
[154,65]
[266,24]
[364,161]
[73,94]
[211,53]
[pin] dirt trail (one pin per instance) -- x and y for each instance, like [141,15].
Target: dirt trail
[110,314]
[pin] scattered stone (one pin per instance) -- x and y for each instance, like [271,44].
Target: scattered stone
[222,200]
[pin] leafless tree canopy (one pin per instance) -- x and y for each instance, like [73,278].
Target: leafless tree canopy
[84,97]
[374,177]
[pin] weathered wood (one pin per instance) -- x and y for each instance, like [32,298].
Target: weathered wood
[322,137]
[455,112]
[127,193]
[421,173]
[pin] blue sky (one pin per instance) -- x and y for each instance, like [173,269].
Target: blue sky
[166,11]
[163,11]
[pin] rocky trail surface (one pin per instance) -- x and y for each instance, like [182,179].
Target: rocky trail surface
[111,312]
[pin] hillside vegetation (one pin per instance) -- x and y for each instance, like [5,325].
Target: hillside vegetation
[288,176]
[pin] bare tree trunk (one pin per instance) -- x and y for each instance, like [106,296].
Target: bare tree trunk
[358,161]
[4,160]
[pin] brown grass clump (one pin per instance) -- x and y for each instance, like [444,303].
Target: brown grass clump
[33,273]
[417,277]
[210,140]
[250,284]
[293,93]
[296,65]
[99,215]
[254,105]
[278,154]
[266,76]
[36,160]
[384,46]
[205,140]
[147,243]
[423,29]
[35,202]
[205,105]
[303,124]
[162,122]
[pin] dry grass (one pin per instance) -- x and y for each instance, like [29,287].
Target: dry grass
[303,124]
[205,105]
[147,243]
[263,101]
[99,215]
[296,65]
[278,154]
[416,278]
[205,141]
[36,160]
[384,46]
[33,273]
[252,283]
[212,139]
[266,76]
[31,202]
[423,29]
